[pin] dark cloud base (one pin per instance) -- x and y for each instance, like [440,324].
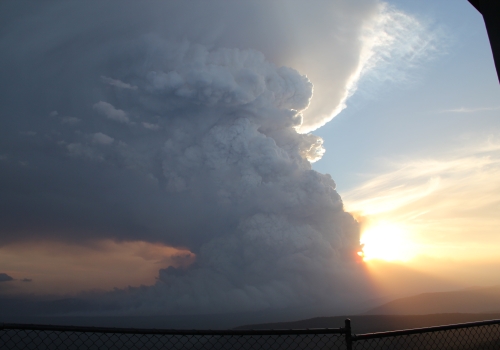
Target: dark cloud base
[60,312]
[5,278]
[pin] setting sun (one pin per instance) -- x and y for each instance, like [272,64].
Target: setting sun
[388,242]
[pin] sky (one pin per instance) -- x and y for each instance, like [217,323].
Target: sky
[166,158]
[427,161]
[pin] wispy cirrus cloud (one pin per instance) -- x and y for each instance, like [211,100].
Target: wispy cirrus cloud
[470,110]
[397,42]
[392,45]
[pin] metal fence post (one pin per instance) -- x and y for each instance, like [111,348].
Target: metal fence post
[348,335]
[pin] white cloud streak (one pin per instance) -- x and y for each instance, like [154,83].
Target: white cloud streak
[118,83]
[470,110]
[392,43]
[110,112]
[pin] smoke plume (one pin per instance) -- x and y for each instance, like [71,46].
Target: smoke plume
[186,124]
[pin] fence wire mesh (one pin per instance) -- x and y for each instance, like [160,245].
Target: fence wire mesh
[483,337]
[15,339]
[474,336]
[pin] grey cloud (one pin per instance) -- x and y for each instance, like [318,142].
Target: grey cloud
[230,77]
[80,150]
[236,149]
[28,133]
[108,110]
[117,83]
[5,278]
[303,35]
[70,120]
[226,173]
[150,126]
[102,139]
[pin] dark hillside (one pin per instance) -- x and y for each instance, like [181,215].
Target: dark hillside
[377,323]
[473,300]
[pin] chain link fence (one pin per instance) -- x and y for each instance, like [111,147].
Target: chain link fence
[17,337]
[467,336]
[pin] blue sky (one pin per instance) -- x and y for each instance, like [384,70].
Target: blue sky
[417,157]
[406,119]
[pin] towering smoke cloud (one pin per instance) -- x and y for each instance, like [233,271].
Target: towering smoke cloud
[185,124]
[269,231]
[229,121]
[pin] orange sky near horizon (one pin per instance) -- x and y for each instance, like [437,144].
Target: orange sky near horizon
[432,224]
[68,268]
[444,207]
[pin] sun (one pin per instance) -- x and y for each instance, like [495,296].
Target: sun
[387,241]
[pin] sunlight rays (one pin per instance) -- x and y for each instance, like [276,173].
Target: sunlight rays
[448,206]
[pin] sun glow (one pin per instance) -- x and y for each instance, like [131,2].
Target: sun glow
[386,241]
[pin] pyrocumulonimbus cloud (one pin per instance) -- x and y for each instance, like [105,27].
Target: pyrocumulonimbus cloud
[189,127]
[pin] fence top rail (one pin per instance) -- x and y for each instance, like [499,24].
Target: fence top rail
[423,330]
[40,327]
